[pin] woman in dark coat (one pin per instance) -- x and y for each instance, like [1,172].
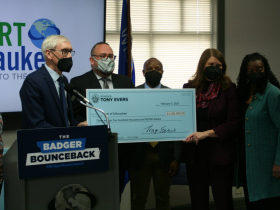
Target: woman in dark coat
[209,152]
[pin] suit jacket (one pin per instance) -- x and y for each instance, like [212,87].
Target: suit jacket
[41,106]
[223,118]
[90,81]
[167,151]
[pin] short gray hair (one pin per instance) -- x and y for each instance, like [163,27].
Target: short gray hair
[51,42]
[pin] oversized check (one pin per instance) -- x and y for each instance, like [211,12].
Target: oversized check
[145,115]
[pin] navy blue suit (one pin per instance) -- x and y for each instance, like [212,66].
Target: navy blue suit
[41,106]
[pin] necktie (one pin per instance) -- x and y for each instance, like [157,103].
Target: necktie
[154,143]
[105,82]
[63,100]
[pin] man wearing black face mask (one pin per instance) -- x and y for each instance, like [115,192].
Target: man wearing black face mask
[154,160]
[45,104]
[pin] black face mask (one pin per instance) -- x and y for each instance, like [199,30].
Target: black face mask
[153,77]
[212,72]
[255,77]
[65,64]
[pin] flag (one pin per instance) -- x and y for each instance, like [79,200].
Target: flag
[126,64]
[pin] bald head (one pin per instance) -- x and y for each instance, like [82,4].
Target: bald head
[152,71]
[152,61]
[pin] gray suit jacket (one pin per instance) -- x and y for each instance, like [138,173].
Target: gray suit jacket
[167,150]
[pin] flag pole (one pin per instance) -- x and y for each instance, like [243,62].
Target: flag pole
[128,40]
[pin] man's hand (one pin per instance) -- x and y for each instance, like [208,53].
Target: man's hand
[83,123]
[174,168]
[276,171]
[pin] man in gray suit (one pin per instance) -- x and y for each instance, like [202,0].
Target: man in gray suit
[156,160]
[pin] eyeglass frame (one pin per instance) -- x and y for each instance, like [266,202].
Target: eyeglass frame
[105,58]
[72,52]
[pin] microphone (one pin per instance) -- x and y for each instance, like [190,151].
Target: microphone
[75,94]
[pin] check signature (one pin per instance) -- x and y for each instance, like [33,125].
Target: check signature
[163,129]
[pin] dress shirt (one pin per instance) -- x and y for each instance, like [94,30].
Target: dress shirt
[148,87]
[109,81]
[55,76]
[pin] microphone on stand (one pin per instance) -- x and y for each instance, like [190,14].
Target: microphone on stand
[71,89]
[75,94]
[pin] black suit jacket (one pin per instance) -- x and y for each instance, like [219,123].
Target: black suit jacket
[90,81]
[41,106]
[167,150]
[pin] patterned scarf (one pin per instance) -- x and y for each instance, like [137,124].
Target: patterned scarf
[203,99]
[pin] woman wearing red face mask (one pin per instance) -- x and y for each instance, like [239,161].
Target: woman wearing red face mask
[259,137]
[209,152]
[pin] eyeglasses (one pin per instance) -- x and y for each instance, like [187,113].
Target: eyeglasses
[65,52]
[104,58]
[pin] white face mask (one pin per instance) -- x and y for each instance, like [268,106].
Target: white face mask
[106,66]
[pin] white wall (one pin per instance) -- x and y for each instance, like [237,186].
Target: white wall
[252,26]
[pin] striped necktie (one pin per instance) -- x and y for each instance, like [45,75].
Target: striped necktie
[105,82]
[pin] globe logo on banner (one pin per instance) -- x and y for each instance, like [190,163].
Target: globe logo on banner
[40,29]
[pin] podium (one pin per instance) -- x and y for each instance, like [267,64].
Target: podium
[33,193]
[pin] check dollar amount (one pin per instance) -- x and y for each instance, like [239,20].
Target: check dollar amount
[146,114]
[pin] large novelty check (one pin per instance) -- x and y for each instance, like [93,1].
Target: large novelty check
[145,115]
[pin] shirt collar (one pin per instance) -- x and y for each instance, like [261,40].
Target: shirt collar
[99,77]
[260,96]
[54,75]
[148,87]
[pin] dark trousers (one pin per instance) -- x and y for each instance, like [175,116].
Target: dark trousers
[219,177]
[122,151]
[140,182]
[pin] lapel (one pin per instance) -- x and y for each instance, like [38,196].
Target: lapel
[69,110]
[93,81]
[213,102]
[116,82]
[141,86]
[52,88]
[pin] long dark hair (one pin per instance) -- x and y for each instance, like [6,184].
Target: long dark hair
[243,87]
[199,82]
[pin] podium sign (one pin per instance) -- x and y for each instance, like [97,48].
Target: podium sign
[62,151]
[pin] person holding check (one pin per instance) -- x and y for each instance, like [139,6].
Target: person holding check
[209,152]
[153,160]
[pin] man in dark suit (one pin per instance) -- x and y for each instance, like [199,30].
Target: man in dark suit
[156,160]
[101,76]
[44,103]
